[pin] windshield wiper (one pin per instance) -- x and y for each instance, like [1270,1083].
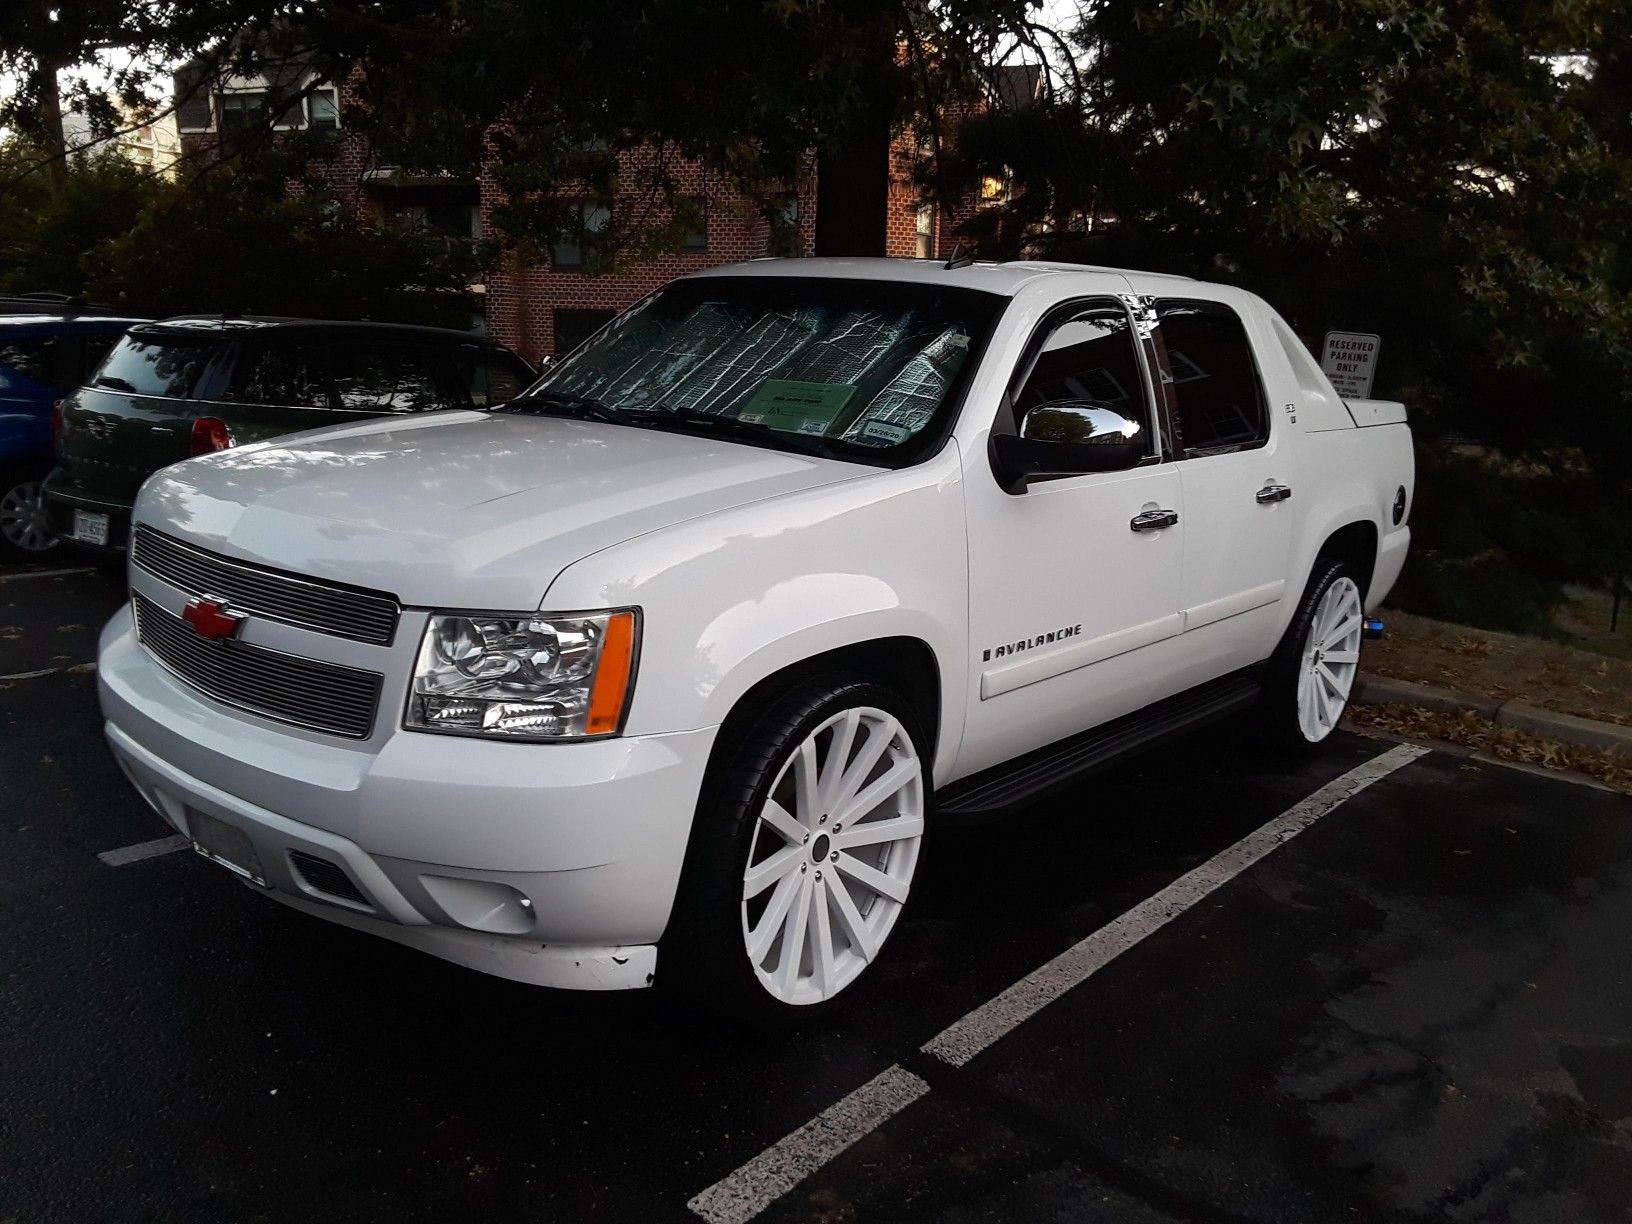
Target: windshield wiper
[585,407]
[689,418]
[113,383]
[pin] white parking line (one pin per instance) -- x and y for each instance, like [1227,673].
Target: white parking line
[56,573]
[48,671]
[965,1038]
[743,1194]
[144,850]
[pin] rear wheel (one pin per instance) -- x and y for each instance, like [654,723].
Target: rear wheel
[24,533]
[1309,680]
[804,855]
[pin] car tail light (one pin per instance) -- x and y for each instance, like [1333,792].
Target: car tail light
[210,434]
[56,426]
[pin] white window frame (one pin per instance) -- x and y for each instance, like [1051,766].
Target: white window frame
[260,85]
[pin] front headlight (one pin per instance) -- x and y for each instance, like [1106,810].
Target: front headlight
[524,676]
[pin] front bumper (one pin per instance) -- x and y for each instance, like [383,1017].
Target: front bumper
[555,864]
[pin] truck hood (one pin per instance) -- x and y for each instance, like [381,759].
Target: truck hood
[461,509]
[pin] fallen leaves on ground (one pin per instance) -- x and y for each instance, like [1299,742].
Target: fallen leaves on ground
[1504,666]
[1468,730]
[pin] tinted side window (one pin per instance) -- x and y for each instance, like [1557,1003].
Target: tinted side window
[493,377]
[282,374]
[1090,357]
[95,352]
[34,358]
[386,378]
[1215,380]
[155,365]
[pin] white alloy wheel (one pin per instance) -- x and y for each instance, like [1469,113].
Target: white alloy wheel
[1331,657]
[832,857]
[22,518]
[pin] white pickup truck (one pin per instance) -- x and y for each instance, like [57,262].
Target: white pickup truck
[666,670]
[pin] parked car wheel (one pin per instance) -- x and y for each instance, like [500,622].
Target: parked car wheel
[24,533]
[1310,678]
[805,854]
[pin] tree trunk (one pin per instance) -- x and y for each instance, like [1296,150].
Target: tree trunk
[853,169]
[56,148]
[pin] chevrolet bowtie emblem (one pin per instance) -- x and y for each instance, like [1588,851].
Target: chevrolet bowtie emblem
[211,619]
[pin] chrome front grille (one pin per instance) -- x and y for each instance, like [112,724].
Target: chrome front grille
[324,607]
[302,692]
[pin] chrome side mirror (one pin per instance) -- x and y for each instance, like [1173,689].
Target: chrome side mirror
[1067,438]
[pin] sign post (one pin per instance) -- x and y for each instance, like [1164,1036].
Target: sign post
[1350,361]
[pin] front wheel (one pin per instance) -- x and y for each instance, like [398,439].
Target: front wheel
[804,855]
[1309,680]
[24,532]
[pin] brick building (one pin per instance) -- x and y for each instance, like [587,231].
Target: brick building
[549,308]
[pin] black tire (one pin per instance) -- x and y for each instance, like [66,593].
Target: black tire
[1278,720]
[13,482]
[702,957]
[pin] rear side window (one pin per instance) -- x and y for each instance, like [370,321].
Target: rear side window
[493,377]
[31,359]
[97,347]
[386,378]
[1215,380]
[155,365]
[284,374]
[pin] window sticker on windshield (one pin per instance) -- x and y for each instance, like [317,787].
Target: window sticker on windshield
[797,407]
[883,433]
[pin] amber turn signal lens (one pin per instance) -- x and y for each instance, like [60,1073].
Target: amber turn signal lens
[612,675]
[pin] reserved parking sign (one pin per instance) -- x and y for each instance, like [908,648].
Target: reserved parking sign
[1350,361]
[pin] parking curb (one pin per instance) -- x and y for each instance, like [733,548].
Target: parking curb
[1513,714]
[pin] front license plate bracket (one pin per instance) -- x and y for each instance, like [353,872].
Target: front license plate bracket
[225,845]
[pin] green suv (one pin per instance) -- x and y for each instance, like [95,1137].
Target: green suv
[191,385]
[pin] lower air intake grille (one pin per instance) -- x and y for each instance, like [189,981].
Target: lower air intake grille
[328,878]
[302,692]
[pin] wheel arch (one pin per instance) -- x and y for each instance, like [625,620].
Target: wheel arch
[905,663]
[1356,543]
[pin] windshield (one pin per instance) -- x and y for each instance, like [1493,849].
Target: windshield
[864,367]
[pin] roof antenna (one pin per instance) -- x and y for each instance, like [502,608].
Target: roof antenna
[959,259]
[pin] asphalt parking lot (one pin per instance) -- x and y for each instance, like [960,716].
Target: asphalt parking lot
[1418,1007]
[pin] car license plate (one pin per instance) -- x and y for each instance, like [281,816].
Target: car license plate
[219,842]
[90,528]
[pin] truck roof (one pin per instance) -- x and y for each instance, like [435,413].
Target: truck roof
[1005,278]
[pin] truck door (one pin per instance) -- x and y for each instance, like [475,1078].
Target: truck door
[1237,486]
[1075,581]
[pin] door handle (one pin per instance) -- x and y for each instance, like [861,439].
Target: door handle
[1154,520]
[1273,493]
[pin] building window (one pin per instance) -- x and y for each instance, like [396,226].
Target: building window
[242,110]
[569,252]
[450,220]
[573,327]
[324,107]
[925,236]
[695,239]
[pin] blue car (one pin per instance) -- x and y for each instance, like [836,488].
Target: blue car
[44,355]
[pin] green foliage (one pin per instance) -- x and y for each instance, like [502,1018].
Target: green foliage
[1433,173]
[235,239]
[44,242]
